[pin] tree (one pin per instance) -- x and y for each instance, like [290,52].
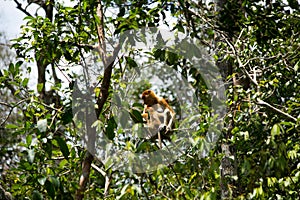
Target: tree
[251,46]
[7,140]
[254,45]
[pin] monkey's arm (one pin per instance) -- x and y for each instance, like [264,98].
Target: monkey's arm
[145,114]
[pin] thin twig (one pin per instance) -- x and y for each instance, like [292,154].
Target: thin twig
[261,102]
[19,6]
[143,189]
[5,45]
[11,109]
[98,169]
[241,65]
[6,104]
[46,105]
[107,176]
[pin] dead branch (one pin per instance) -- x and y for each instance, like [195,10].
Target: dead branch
[263,103]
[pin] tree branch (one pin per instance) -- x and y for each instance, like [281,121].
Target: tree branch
[108,64]
[11,109]
[86,167]
[232,47]
[263,103]
[19,6]
[5,195]
[5,45]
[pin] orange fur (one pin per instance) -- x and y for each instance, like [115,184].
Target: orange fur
[151,99]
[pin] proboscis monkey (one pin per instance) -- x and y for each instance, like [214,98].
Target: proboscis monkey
[157,112]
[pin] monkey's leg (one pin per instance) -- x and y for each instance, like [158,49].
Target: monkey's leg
[159,140]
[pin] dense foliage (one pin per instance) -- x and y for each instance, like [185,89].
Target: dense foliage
[254,44]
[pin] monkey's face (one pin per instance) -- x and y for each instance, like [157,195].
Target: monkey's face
[145,94]
[149,97]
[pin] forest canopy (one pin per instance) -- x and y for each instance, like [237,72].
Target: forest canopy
[71,123]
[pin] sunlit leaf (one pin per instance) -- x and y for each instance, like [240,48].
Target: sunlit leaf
[28,140]
[275,130]
[42,125]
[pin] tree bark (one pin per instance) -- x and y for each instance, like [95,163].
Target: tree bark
[108,64]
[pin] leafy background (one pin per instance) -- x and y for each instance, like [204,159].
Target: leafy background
[254,44]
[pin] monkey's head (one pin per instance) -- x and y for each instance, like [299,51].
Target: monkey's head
[149,97]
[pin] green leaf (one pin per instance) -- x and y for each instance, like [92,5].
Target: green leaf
[275,130]
[131,62]
[50,189]
[40,87]
[30,155]
[157,53]
[172,58]
[18,64]
[124,118]
[294,4]
[28,140]
[11,126]
[63,163]
[144,146]
[136,116]
[97,91]
[67,116]
[17,92]
[47,147]
[111,125]
[25,82]
[137,105]
[117,100]
[179,27]
[63,147]
[11,68]
[67,55]
[122,12]
[42,180]
[28,18]
[296,67]
[36,195]
[55,182]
